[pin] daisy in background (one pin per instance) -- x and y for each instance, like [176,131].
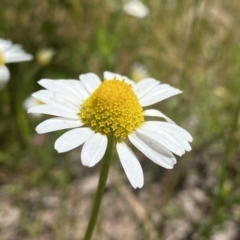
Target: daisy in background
[138,72]
[99,111]
[136,9]
[10,53]
[44,56]
[32,102]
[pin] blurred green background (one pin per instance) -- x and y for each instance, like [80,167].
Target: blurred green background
[193,45]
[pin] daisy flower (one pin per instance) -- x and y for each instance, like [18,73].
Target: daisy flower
[10,53]
[44,56]
[31,102]
[115,107]
[139,72]
[136,9]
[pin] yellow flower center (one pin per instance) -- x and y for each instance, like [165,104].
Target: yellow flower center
[112,109]
[1,59]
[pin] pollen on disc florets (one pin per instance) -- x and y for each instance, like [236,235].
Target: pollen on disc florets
[112,109]
[1,59]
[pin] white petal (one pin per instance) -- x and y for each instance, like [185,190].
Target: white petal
[13,52]
[16,48]
[66,87]
[94,149]
[5,44]
[164,138]
[156,113]
[72,139]
[79,88]
[57,123]
[17,57]
[153,150]
[183,142]
[110,76]
[145,86]
[53,110]
[136,8]
[30,102]
[4,76]
[90,81]
[130,165]
[56,98]
[175,137]
[174,129]
[158,94]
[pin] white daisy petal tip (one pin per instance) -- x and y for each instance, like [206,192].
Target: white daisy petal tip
[4,76]
[171,166]
[57,149]
[38,130]
[190,137]
[72,139]
[130,165]
[30,110]
[156,113]
[42,81]
[39,81]
[179,91]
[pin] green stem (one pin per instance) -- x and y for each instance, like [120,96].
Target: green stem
[101,186]
[16,93]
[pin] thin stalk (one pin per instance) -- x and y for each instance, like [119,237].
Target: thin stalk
[16,93]
[100,190]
